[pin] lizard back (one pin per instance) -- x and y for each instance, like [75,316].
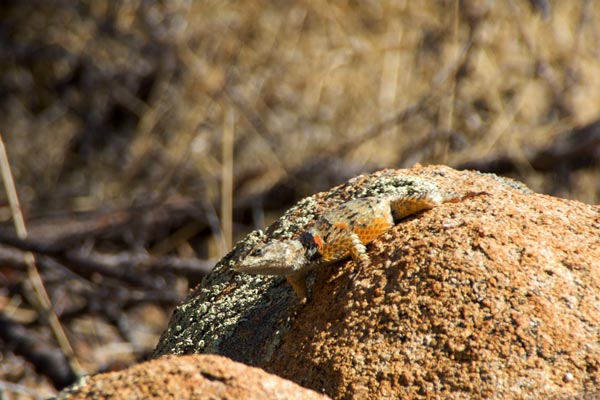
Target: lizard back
[334,233]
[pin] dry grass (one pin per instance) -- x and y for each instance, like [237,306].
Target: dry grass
[133,97]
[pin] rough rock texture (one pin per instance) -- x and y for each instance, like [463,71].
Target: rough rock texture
[495,296]
[188,377]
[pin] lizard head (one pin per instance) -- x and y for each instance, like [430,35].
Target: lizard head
[276,257]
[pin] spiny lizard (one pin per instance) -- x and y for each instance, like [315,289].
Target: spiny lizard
[341,232]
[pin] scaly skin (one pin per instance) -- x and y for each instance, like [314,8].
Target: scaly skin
[344,231]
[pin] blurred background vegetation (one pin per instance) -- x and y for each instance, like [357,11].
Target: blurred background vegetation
[190,123]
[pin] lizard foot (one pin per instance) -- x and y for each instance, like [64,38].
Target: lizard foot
[362,262]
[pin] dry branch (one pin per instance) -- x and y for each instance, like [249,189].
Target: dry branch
[571,150]
[47,360]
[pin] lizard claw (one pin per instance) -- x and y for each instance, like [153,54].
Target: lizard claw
[363,261]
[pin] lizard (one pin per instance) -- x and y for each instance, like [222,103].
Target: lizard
[341,232]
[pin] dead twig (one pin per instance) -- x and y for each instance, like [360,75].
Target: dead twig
[45,359]
[44,304]
[575,149]
[127,267]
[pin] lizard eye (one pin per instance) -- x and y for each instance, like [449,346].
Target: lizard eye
[257,252]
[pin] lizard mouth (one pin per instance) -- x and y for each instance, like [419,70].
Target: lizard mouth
[264,268]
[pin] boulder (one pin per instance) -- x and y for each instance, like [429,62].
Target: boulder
[198,377]
[494,296]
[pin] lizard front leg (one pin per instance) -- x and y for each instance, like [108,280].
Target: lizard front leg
[298,283]
[358,252]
